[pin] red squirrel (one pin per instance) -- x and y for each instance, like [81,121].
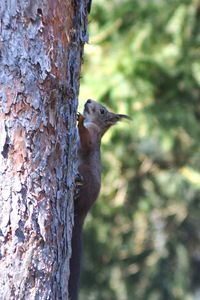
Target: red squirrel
[92,125]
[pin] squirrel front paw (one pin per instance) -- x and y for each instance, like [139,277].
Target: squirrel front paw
[78,183]
[80,118]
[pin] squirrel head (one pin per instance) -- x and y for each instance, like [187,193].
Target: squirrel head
[100,116]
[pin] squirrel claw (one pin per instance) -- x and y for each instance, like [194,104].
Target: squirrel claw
[78,179]
[78,183]
[80,117]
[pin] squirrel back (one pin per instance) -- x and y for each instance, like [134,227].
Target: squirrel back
[92,125]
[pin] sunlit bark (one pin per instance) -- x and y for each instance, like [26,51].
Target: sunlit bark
[41,44]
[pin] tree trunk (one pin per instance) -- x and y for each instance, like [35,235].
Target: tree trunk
[41,47]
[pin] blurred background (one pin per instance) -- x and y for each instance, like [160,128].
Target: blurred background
[142,238]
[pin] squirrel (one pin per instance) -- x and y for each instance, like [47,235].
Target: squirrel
[92,125]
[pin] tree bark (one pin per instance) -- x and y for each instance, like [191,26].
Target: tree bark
[41,45]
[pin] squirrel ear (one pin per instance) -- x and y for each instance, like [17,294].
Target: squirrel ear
[124,117]
[114,118]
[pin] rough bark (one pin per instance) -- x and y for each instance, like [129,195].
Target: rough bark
[41,46]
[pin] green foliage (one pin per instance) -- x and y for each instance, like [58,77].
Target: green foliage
[142,238]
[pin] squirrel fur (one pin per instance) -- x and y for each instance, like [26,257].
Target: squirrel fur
[92,125]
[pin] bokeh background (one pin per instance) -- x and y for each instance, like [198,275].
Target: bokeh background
[142,238]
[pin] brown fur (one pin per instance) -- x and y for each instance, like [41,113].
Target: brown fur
[92,125]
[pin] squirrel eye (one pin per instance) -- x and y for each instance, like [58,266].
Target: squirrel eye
[102,111]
